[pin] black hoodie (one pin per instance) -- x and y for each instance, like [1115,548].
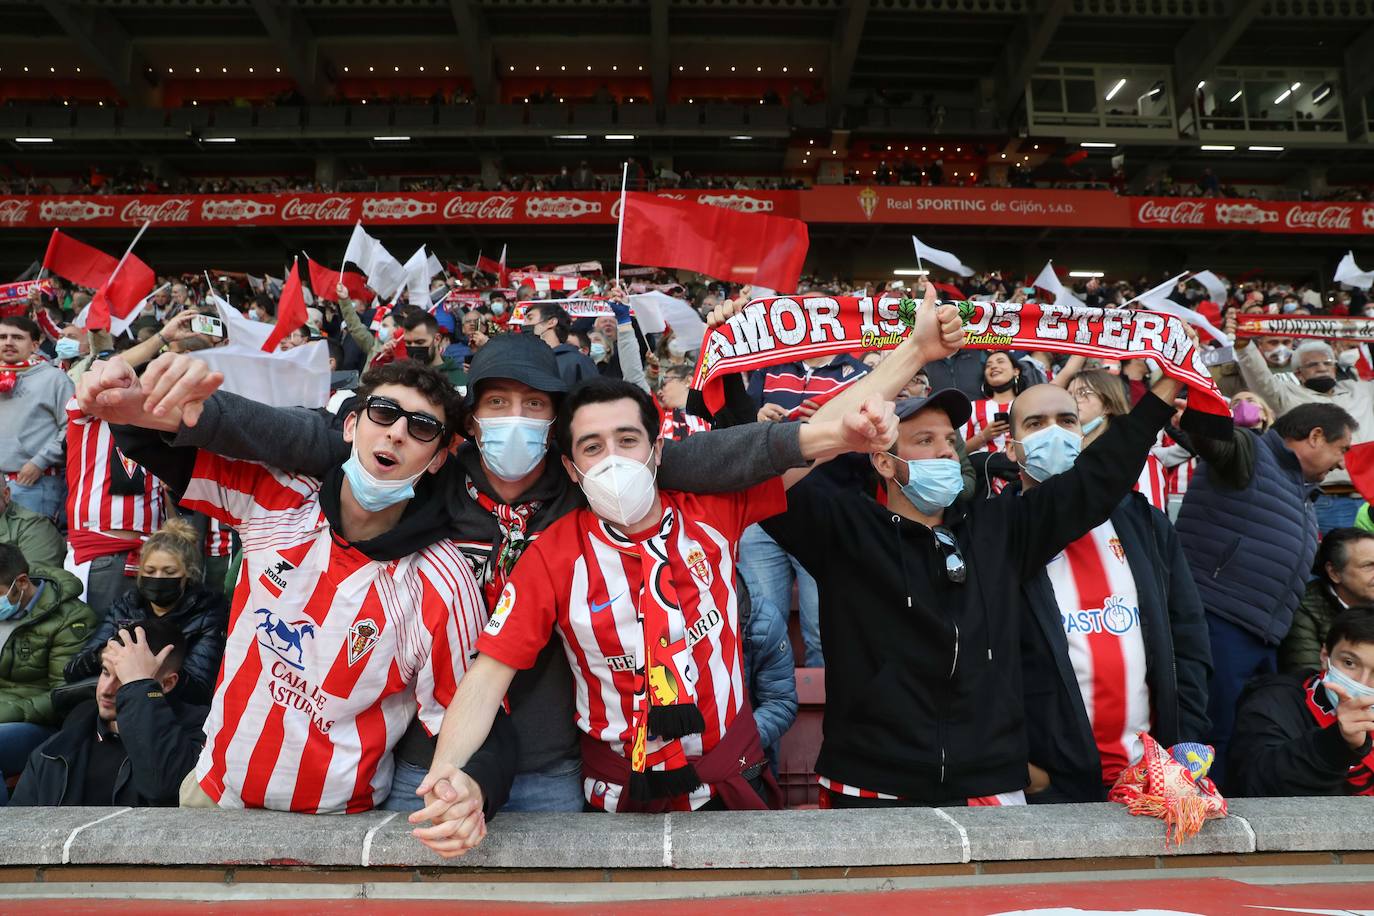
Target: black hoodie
[923,675]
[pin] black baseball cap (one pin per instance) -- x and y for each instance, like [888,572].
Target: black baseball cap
[952,401]
[522,357]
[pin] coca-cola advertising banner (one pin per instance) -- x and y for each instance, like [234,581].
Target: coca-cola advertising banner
[830,204]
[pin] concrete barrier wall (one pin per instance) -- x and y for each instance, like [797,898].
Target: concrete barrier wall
[35,838]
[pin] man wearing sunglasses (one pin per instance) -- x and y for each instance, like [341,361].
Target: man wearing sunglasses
[920,593]
[349,615]
[498,494]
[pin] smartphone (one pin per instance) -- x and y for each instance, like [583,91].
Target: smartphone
[208,325]
[1001,417]
[1028,290]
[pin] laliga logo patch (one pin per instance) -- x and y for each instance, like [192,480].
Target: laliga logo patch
[696,561]
[362,636]
[503,606]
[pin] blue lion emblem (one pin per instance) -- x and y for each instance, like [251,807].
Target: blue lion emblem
[284,638]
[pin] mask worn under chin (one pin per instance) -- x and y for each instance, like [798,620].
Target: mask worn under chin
[619,489]
[1091,426]
[1050,451]
[1279,356]
[1352,687]
[998,389]
[1321,384]
[513,446]
[932,483]
[422,355]
[162,592]
[373,493]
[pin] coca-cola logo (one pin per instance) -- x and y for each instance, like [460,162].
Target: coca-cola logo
[1245,215]
[1332,217]
[396,208]
[235,210]
[1367,217]
[1175,213]
[73,211]
[328,209]
[171,210]
[560,207]
[13,211]
[740,202]
[486,207]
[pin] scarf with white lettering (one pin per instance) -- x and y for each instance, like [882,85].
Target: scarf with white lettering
[1305,326]
[665,704]
[784,329]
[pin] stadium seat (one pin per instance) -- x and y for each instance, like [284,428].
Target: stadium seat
[799,747]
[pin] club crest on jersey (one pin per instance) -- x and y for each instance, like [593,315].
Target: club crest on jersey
[362,636]
[1117,550]
[273,577]
[284,639]
[502,610]
[696,561]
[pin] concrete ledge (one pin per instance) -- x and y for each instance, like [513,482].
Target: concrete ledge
[786,840]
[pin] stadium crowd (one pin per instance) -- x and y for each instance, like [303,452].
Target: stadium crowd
[518,565]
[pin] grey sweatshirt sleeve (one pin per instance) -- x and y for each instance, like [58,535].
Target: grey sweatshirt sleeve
[736,458]
[631,366]
[59,392]
[294,439]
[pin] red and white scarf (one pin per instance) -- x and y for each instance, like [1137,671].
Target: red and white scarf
[1305,326]
[10,372]
[785,329]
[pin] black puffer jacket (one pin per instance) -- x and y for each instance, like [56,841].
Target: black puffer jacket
[202,615]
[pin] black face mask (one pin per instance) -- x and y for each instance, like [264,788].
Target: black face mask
[421,355]
[1321,384]
[1005,386]
[162,592]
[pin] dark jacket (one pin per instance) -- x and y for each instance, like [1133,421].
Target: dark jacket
[1178,658]
[1279,749]
[1302,647]
[963,370]
[541,698]
[1249,531]
[923,675]
[574,365]
[202,615]
[161,737]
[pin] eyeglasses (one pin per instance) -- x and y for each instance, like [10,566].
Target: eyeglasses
[421,426]
[954,560]
[1083,394]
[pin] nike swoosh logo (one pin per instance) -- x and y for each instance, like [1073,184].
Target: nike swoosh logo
[601,607]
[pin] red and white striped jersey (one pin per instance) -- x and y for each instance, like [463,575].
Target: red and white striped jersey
[584,579]
[679,424]
[329,652]
[1002,799]
[219,539]
[982,417]
[92,458]
[1154,483]
[1100,613]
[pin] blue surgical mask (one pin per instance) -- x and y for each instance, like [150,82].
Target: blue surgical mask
[498,308]
[1050,451]
[9,607]
[67,348]
[1091,426]
[373,493]
[932,483]
[513,446]
[1352,687]
[598,352]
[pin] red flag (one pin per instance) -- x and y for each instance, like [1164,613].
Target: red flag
[487,265]
[324,282]
[953,292]
[1359,464]
[290,311]
[116,295]
[721,243]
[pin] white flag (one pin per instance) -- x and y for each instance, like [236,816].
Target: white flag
[1158,300]
[1216,289]
[298,377]
[417,274]
[384,273]
[664,310]
[1351,275]
[1049,280]
[945,259]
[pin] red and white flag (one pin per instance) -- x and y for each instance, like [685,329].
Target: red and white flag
[291,312]
[121,286]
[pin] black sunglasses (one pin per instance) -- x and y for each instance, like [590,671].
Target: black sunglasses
[954,560]
[421,426]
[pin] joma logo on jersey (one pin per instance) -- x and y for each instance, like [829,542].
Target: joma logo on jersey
[273,577]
